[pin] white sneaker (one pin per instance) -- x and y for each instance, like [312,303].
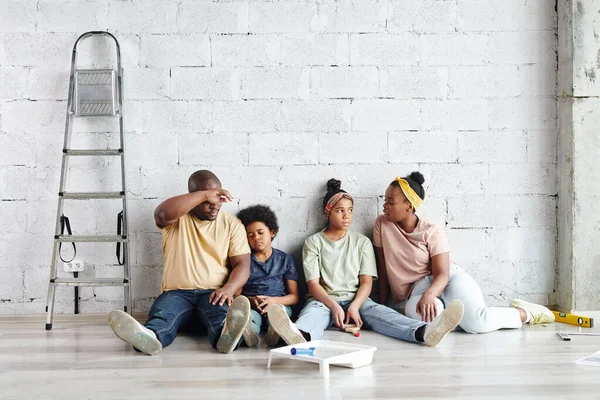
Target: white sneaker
[283,326]
[444,323]
[538,314]
[250,337]
[134,333]
[236,321]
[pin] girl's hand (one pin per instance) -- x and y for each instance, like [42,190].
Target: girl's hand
[426,307]
[264,302]
[354,315]
[337,314]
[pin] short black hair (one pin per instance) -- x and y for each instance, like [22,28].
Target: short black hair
[334,187]
[415,181]
[259,213]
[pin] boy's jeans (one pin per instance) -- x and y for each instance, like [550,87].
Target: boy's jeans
[315,317]
[259,320]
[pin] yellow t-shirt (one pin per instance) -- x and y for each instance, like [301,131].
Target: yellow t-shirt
[196,252]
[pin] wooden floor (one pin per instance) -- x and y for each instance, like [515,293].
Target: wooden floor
[81,358]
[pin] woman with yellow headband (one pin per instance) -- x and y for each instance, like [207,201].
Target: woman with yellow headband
[413,258]
[339,266]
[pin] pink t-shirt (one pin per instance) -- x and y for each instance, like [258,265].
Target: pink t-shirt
[408,255]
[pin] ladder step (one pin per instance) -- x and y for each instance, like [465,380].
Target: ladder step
[91,195]
[91,238]
[93,152]
[90,282]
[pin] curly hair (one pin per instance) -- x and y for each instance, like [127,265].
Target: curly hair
[259,213]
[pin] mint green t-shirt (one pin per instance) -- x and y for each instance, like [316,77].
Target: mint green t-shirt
[337,265]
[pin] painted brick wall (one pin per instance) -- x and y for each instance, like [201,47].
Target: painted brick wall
[276,97]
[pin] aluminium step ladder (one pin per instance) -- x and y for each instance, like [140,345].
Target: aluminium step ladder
[92,93]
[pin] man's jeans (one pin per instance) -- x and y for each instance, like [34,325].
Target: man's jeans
[315,317]
[174,308]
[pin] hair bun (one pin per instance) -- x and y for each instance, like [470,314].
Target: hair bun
[417,177]
[333,185]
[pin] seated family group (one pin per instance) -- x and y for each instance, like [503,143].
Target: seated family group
[224,270]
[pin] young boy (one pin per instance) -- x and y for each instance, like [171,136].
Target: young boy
[273,276]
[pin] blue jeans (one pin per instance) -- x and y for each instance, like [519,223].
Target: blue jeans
[174,308]
[315,317]
[260,321]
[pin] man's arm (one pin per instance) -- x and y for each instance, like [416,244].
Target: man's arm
[170,210]
[240,272]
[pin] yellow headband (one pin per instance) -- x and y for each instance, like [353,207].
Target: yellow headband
[412,197]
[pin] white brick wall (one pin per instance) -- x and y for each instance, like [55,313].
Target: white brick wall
[276,98]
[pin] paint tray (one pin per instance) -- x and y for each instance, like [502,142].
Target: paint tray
[327,353]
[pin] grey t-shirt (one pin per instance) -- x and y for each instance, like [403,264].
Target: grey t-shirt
[337,265]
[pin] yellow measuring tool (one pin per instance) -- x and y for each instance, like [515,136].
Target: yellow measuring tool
[572,319]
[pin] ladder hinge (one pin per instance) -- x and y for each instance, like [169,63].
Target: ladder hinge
[65,151]
[124,236]
[120,150]
[125,280]
[55,236]
[61,194]
[122,193]
[51,281]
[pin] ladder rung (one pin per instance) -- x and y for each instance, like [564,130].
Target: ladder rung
[91,195]
[94,238]
[90,282]
[93,152]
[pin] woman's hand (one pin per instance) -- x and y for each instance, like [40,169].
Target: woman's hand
[337,314]
[427,308]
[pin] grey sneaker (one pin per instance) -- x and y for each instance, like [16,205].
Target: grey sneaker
[134,333]
[283,326]
[236,321]
[272,338]
[442,325]
[250,336]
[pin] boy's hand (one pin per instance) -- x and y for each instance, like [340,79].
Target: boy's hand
[337,314]
[220,296]
[254,302]
[264,302]
[354,315]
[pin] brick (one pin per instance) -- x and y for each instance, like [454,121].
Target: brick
[22,250]
[434,209]
[41,216]
[538,80]
[13,82]
[407,82]
[495,147]
[145,83]
[523,113]
[48,84]
[324,115]
[283,149]
[18,16]
[213,17]
[282,17]
[542,146]
[175,51]
[382,50]
[205,84]
[17,150]
[502,211]
[151,150]
[453,49]
[467,245]
[364,215]
[250,181]
[497,281]
[385,114]
[149,250]
[160,183]
[484,81]
[33,116]
[344,82]
[523,179]
[315,49]
[12,217]
[517,15]
[457,180]
[15,182]
[99,52]
[213,149]
[456,114]
[349,16]
[170,116]
[12,289]
[151,16]
[51,50]
[282,83]
[536,277]
[246,116]
[245,50]
[141,216]
[72,16]
[515,48]
[292,212]
[522,244]
[423,147]
[353,148]
[407,15]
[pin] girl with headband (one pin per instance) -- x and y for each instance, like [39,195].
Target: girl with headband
[413,258]
[339,266]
